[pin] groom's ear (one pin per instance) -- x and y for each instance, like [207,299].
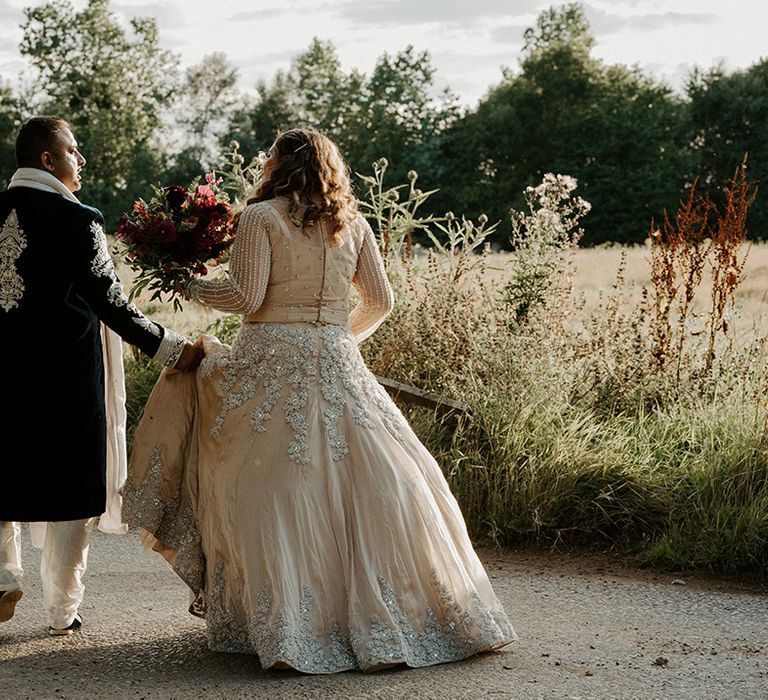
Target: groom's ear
[46,161]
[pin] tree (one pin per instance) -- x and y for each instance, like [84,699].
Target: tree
[206,104]
[621,135]
[728,114]
[10,121]
[398,117]
[113,88]
[314,92]
[391,114]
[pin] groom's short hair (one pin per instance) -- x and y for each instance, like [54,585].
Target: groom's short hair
[36,136]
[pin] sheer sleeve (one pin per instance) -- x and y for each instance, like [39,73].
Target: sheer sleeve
[377,299]
[243,288]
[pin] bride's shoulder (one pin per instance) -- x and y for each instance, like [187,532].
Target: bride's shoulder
[266,210]
[265,205]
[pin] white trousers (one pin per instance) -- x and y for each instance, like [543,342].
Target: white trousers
[63,564]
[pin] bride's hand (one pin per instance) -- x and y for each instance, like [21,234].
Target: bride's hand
[191,357]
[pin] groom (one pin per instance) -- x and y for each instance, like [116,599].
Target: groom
[57,287]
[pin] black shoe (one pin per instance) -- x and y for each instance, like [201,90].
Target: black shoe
[77,623]
[8,600]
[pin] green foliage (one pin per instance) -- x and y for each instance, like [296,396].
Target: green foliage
[10,121]
[239,178]
[560,26]
[390,114]
[621,135]
[206,102]
[573,435]
[630,141]
[111,86]
[727,117]
[542,239]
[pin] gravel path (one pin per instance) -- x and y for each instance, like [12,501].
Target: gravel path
[589,628]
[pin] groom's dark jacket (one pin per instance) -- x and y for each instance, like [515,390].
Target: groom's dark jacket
[56,283]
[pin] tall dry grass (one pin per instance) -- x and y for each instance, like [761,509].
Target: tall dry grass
[575,432]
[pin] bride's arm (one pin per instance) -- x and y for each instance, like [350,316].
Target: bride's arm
[376,297]
[242,290]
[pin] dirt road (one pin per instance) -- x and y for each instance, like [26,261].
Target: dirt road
[589,628]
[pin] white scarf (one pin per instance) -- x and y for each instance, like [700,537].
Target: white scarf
[40,180]
[114,385]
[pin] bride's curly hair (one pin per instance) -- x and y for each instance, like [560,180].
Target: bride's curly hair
[310,171]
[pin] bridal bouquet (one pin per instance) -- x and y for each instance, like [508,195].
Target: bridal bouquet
[178,234]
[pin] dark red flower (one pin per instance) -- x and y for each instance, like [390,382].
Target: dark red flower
[175,196]
[165,231]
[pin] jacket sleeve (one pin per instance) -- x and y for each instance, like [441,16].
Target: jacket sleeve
[98,284]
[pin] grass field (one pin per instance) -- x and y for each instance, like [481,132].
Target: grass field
[594,272]
[572,436]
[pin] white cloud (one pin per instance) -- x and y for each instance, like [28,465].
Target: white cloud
[166,14]
[409,12]
[603,22]
[258,15]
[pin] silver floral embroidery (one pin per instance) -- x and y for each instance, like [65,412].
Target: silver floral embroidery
[281,639]
[171,348]
[448,634]
[143,322]
[278,364]
[225,623]
[288,634]
[170,520]
[12,243]
[102,265]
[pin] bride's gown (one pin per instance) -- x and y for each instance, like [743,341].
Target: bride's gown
[283,482]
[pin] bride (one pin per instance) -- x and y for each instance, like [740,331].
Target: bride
[281,482]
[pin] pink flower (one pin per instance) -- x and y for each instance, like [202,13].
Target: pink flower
[206,194]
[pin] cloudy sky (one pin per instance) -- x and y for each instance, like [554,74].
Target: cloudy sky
[469,40]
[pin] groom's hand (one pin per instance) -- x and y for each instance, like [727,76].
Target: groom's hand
[191,356]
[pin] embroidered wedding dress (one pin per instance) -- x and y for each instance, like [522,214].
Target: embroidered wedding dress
[284,483]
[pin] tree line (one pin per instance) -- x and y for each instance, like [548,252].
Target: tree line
[634,145]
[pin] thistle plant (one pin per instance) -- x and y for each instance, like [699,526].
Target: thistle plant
[393,212]
[542,238]
[239,178]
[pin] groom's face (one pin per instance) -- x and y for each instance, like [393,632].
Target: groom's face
[64,161]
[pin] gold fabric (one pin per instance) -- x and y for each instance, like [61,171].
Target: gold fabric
[287,489]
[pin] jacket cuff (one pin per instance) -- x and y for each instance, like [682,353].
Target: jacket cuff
[171,347]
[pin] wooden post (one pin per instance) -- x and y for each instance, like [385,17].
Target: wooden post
[412,395]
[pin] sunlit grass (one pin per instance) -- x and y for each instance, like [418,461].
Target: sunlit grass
[573,435]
